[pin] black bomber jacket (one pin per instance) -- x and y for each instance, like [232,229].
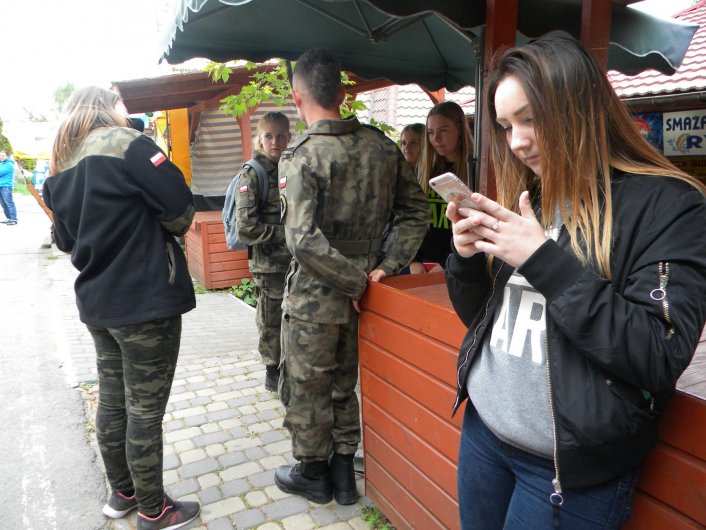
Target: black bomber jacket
[615,347]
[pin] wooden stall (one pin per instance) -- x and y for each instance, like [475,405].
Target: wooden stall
[209,260]
[409,337]
[408,344]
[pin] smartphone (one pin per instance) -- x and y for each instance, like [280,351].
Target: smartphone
[452,189]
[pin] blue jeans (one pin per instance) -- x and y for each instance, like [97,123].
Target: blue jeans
[8,205]
[502,487]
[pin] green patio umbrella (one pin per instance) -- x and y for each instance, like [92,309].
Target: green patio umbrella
[424,49]
[434,43]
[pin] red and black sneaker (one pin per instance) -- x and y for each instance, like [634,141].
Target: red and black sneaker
[175,514]
[119,505]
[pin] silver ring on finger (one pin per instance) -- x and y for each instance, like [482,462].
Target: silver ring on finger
[495,226]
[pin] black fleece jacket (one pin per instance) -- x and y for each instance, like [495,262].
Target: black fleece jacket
[615,347]
[117,205]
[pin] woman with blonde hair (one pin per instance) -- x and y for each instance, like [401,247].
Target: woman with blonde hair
[411,141]
[448,146]
[118,202]
[584,291]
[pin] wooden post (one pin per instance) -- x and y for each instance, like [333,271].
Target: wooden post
[595,29]
[246,133]
[500,29]
[436,96]
[37,197]
[180,152]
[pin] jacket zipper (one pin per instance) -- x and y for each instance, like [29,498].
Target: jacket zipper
[556,498]
[660,295]
[475,336]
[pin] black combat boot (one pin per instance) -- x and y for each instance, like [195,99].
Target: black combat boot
[308,479]
[343,479]
[271,377]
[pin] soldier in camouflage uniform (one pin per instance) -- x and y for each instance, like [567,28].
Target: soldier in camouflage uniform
[339,183]
[260,227]
[118,202]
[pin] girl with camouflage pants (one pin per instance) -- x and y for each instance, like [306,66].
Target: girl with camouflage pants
[118,202]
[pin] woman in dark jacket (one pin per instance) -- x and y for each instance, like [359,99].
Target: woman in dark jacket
[118,202]
[584,290]
[448,146]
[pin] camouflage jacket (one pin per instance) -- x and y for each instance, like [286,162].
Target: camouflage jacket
[339,183]
[262,228]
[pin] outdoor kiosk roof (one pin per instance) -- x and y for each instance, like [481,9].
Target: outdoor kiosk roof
[433,43]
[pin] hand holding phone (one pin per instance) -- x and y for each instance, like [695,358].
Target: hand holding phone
[452,189]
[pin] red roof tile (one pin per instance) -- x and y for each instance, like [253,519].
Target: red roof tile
[691,75]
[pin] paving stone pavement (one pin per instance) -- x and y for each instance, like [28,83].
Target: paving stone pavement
[223,434]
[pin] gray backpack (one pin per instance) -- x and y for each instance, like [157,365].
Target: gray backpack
[229,218]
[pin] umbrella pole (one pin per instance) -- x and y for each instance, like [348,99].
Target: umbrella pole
[477,136]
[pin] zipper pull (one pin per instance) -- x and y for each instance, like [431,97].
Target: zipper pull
[660,295]
[556,499]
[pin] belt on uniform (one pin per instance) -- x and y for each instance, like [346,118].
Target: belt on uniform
[357,248]
[271,219]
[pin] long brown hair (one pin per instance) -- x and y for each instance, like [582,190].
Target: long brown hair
[432,164]
[87,109]
[582,131]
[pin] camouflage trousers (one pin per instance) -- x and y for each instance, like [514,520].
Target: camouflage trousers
[270,291]
[317,387]
[135,371]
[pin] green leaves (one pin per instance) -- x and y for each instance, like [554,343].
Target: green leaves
[245,291]
[272,85]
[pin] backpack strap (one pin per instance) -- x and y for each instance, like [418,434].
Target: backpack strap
[263,182]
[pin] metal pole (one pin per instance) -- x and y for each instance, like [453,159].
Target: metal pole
[477,137]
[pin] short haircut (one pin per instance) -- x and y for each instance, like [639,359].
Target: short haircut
[320,73]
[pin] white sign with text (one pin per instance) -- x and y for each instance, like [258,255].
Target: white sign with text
[684,133]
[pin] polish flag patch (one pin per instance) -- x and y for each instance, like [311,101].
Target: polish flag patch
[158,159]
[243,189]
[283,182]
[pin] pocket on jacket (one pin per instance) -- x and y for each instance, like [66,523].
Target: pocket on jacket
[612,410]
[171,264]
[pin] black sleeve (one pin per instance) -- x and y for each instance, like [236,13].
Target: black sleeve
[160,183]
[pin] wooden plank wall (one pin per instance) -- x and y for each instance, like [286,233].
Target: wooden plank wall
[209,260]
[671,488]
[408,342]
[407,385]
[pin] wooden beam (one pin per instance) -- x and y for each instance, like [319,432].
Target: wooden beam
[500,29]
[436,96]
[215,101]
[246,133]
[194,120]
[364,86]
[595,29]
